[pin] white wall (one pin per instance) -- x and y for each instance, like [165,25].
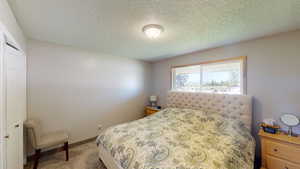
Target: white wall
[75,90]
[9,24]
[273,73]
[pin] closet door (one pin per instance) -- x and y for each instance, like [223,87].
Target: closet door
[12,149]
[15,70]
[15,86]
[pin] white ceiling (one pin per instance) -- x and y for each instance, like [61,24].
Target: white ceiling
[114,26]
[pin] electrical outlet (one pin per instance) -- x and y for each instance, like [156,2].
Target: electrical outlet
[100,127]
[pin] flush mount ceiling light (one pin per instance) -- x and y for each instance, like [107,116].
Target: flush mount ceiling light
[153,31]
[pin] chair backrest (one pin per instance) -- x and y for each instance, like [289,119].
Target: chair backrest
[34,132]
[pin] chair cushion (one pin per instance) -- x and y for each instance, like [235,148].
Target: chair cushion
[52,139]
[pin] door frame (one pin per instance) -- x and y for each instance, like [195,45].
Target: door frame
[2,103]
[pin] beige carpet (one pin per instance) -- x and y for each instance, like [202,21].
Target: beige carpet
[84,156]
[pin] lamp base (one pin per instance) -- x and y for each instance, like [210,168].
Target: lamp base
[153,104]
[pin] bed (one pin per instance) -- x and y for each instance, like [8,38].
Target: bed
[195,131]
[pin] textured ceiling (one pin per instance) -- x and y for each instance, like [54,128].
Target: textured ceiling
[114,26]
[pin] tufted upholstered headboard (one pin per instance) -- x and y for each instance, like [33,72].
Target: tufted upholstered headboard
[239,106]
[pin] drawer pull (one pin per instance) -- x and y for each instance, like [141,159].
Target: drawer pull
[275,150]
[286,167]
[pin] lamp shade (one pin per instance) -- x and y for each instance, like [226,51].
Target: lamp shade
[153,98]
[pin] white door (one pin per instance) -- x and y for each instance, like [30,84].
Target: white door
[12,149]
[15,83]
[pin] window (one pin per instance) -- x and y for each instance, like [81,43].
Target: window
[222,76]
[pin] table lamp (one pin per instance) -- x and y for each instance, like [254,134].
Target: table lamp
[153,101]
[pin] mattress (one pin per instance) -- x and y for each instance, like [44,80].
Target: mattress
[107,159]
[178,138]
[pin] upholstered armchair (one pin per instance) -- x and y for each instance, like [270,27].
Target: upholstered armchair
[41,141]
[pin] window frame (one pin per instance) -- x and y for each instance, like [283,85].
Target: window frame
[242,59]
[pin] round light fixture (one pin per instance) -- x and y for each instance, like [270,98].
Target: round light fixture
[153,31]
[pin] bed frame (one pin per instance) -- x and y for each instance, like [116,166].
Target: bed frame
[233,105]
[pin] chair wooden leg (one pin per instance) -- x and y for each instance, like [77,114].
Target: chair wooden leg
[37,157]
[66,147]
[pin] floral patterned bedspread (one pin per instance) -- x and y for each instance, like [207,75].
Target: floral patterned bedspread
[181,139]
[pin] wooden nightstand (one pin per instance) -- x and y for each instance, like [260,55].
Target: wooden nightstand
[151,110]
[279,151]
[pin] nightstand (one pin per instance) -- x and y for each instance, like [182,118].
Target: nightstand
[151,110]
[279,151]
